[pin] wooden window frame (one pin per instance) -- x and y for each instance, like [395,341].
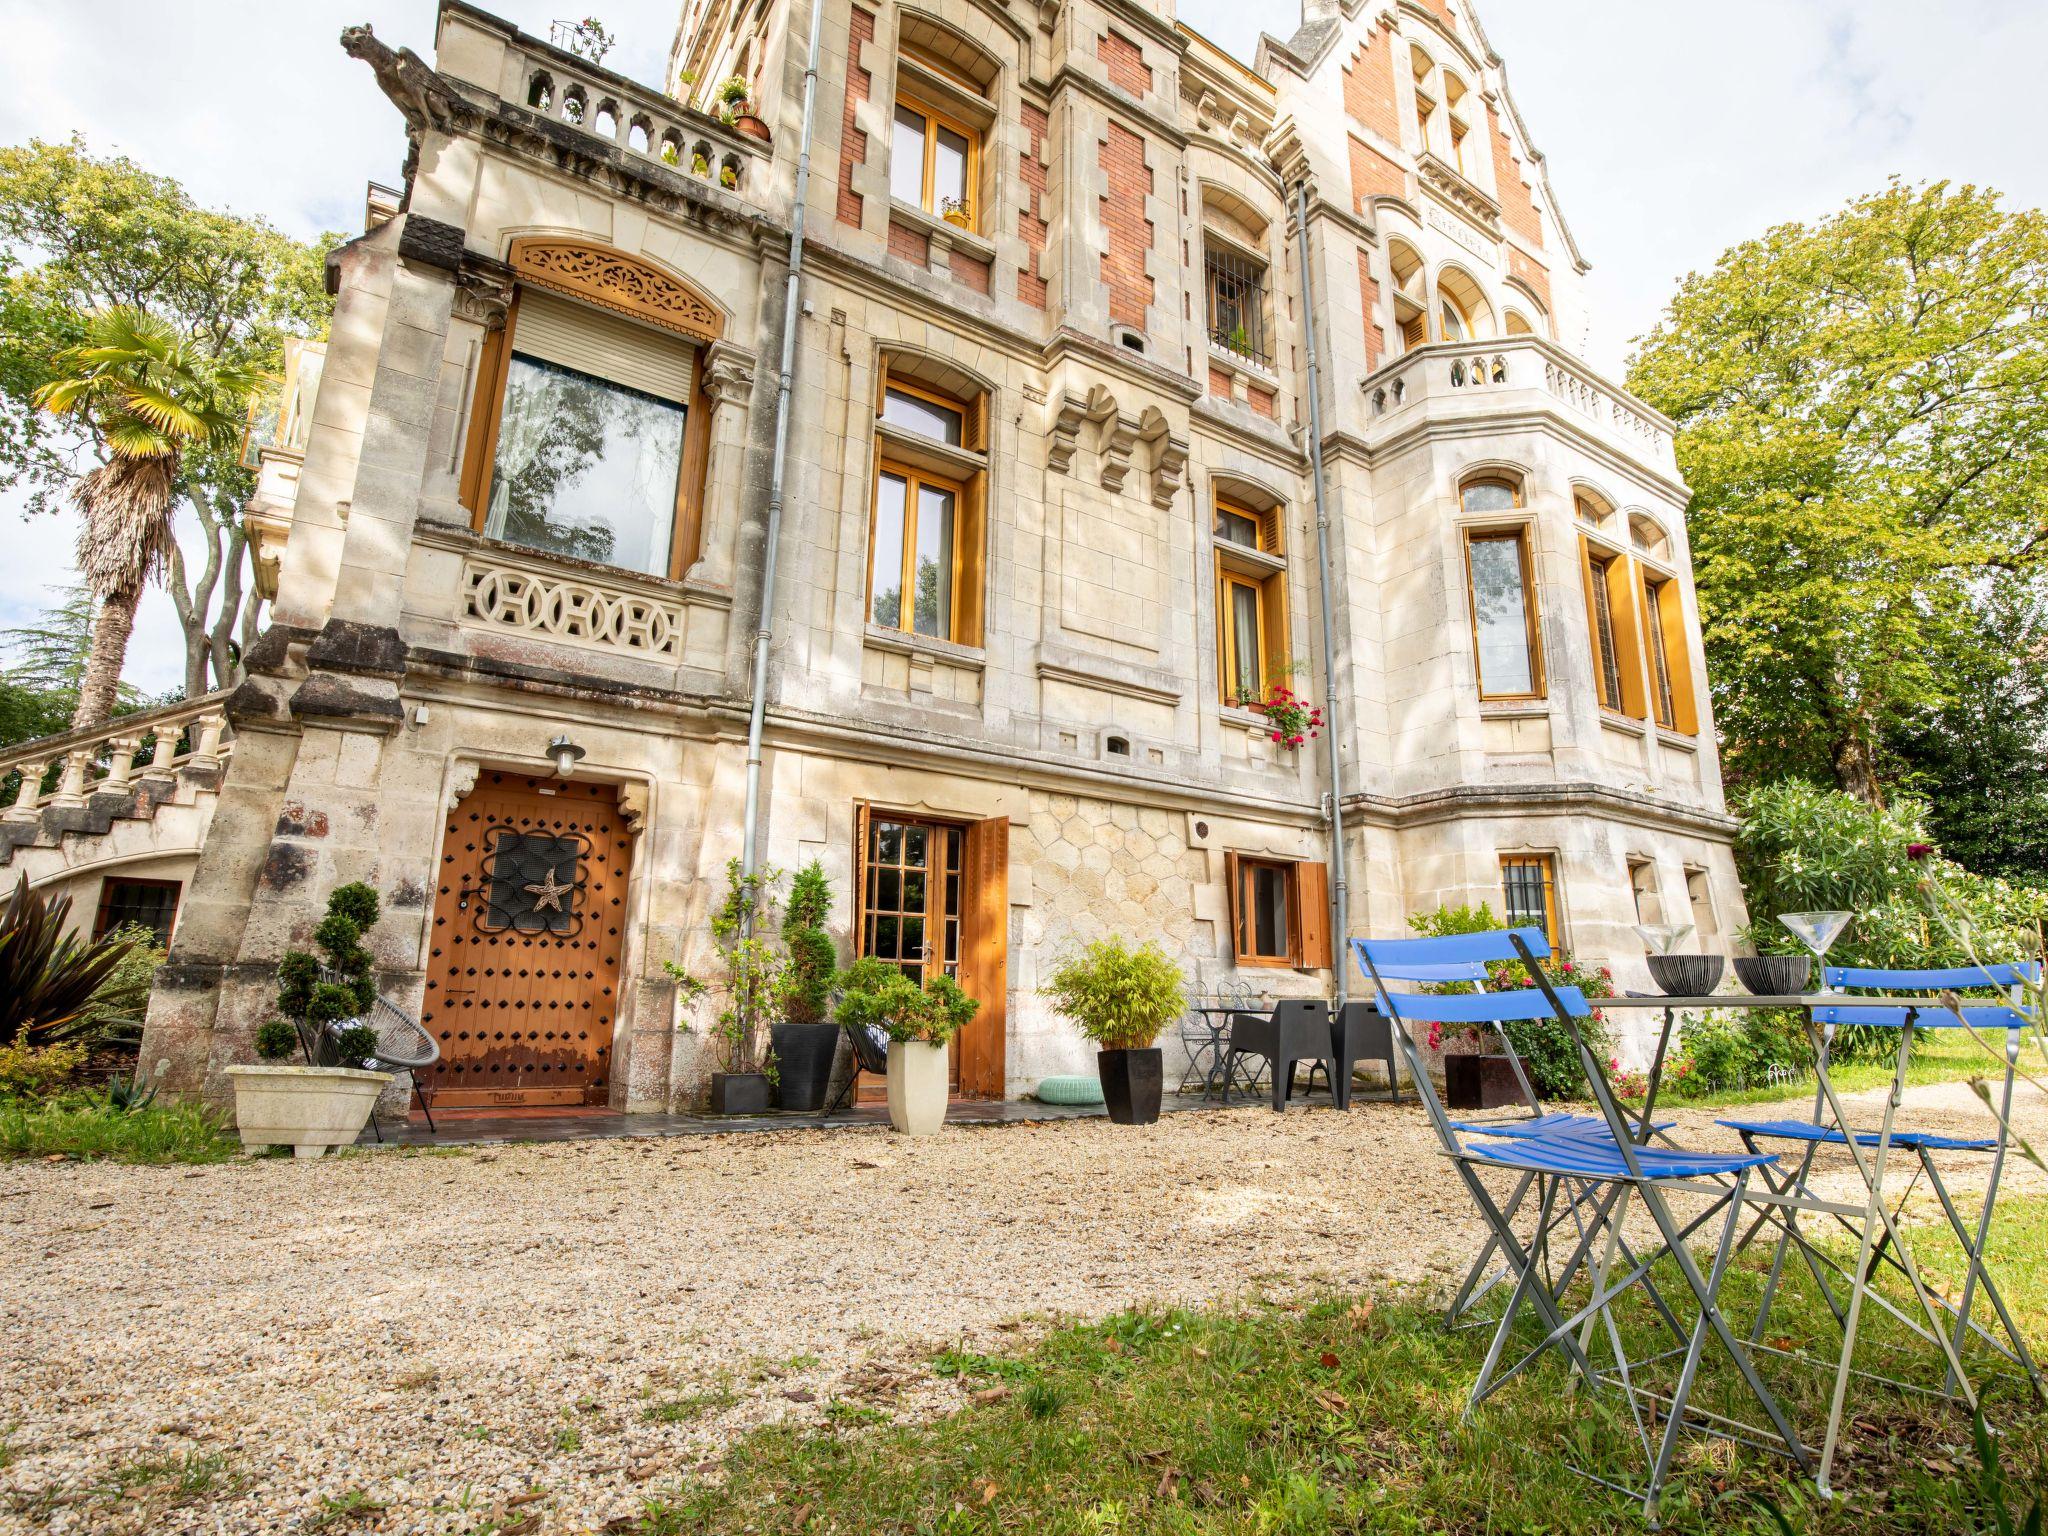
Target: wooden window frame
[102,909]
[1519,532]
[915,478]
[1668,655]
[1226,631]
[1553,925]
[1308,918]
[931,397]
[1607,575]
[487,413]
[934,119]
[1446,299]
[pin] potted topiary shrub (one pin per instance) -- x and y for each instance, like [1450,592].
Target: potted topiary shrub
[326,1099]
[920,1022]
[806,1040]
[1121,998]
[745,1074]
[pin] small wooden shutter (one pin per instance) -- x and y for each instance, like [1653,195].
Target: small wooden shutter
[970,578]
[1233,887]
[1274,640]
[559,330]
[1312,915]
[1630,659]
[985,955]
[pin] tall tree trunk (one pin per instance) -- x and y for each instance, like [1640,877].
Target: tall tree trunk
[1855,772]
[101,685]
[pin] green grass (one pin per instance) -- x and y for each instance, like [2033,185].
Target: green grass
[160,1133]
[1939,1056]
[688,1406]
[1342,1415]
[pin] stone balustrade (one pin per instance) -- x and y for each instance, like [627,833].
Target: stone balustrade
[111,760]
[556,84]
[1482,374]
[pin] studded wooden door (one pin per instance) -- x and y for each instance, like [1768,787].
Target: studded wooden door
[523,971]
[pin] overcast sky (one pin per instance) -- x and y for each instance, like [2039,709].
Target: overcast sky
[1672,130]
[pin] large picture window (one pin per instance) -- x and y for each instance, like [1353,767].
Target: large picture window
[585,467]
[1503,615]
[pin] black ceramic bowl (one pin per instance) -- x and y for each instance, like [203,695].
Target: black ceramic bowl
[1773,975]
[1686,975]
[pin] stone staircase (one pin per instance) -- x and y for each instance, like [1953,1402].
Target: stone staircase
[137,792]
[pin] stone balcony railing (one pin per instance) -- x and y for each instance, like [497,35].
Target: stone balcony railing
[70,769]
[634,119]
[1509,372]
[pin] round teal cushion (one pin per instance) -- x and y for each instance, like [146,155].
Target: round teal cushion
[1069,1090]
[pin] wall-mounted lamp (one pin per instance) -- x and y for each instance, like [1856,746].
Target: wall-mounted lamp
[566,755]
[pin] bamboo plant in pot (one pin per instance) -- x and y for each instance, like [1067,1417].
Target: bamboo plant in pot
[805,1040]
[1121,998]
[744,1073]
[327,1099]
[920,1022]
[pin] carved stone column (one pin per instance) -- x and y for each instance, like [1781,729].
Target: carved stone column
[729,385]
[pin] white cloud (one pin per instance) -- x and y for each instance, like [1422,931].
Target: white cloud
[1672,131]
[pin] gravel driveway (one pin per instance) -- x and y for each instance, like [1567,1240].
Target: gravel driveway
[223,1349]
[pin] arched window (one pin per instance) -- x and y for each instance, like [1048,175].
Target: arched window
[1518,324]
[1463,312]
[926,534]
[1411,307]
[942,119]
[1425,99]
[588,430]
[1500,577]
[1457,106]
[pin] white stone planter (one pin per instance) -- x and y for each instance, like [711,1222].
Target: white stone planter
[308,1109]
[917,1087]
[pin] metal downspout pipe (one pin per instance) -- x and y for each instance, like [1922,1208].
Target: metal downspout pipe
[750,847]
[1340,886]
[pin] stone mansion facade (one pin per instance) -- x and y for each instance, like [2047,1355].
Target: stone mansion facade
[1048,532]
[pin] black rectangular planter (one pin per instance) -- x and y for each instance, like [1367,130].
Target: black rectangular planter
[1480,1082]
[1131,1084]
[739,1093]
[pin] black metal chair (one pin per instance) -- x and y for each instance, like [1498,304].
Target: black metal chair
[1297,1030]
[1360,1032]
[403,1045]
[869,1055]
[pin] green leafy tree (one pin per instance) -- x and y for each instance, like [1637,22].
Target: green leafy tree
[149,396]
[80,234]
[1862,405]
[813,959]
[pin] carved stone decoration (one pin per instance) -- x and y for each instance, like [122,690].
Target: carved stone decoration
[546,607]
[616,281]
[633,806]
[1169,459]
[483,298]
[1117,436]
[461,780]
[728,374]
[1063,432]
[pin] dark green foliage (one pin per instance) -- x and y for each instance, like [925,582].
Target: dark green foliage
[355,1045]
[297,973]
[48,978]
[302,994]
[276,1039]
[813,958]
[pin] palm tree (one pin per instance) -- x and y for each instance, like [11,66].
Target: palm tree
[149,396]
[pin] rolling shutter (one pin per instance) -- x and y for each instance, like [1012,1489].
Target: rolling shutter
[559,330]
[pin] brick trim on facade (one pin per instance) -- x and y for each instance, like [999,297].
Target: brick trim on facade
[853,140]
[1511,187]
[1369,302]
[1369,87]
[1125,62]
[1031,221]
[1373,175]
[1121,156]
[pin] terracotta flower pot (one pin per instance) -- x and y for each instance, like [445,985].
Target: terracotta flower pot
[751,126]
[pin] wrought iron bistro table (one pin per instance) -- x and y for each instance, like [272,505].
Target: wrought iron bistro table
[1215,1019]
[1806,1002]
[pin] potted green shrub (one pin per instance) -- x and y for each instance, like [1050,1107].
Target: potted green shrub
[1121,998]
[920,1022]
[325,1099]
[806,1040]
[735,94]
[745,1072]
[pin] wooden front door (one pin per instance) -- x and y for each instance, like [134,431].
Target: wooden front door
[926,908]
[523,969]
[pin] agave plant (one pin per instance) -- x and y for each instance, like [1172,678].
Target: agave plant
[48,977]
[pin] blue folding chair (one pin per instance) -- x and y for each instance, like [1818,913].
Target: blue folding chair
[1878,1230]
[1573,1157]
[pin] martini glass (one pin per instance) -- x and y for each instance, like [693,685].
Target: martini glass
[1662,938]
[1816,930]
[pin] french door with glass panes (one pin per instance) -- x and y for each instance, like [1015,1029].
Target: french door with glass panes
[910,911]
